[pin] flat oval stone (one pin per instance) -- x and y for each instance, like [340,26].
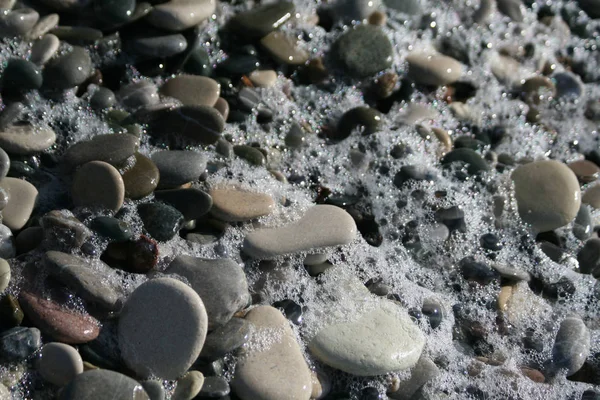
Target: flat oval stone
[44,48]
[188,386]
[321,226]
[571,346]
[18,343]
[192,90]
[160,220]
[21,75]
[263,78]
[43,26]
[26,139]
[277,372]
[18,22]
[196,124]
[214,387]
[68,70]
[114,149]
[475,163]
[138,94]
[77,35]
[586,171]
[225,339]
[103,384]
[592,196]
[87,282]
[221,283]
[192,202]
[141,179]
[251,154]
[98,184]
[259,21]
[159,46]
[162,328]
[22,197]
[547,194]
[364,50]
[284,49]
[177,15]
[236,205]
[411,7]
[198,62]
[59,363]
[433,69]
[63,325]
[178,167]
[379,342]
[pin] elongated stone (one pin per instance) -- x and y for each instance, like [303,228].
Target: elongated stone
[26,139]
[433,69]
[177,15]
[571,346]
[321,226]
[259,21]
[195,124]
[192,90]
[103,384]
[235,205]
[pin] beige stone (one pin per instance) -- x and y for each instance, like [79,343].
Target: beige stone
[22,197]
[98,185]
[233,204]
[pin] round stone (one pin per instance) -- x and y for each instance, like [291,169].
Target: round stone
[234,205]
[59,363]
[98,185]
[26,139]
[141,179]
[162,328]
[103,98]
[103,384]
[69,70]
[547,194]
[364,50]
[178,167]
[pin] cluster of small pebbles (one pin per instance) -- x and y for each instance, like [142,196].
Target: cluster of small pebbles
[294,200]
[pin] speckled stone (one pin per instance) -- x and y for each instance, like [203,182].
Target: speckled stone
[364,50]
[177,167]
[98,185]
[321,226]
[160,220]
[547,194]
[259,21]
[22,197]
[233,204]
[279,371]
[162,328]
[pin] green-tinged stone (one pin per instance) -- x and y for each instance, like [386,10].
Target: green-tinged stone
[198,62]
[364,50]
[11,314]
[21,75]
[114,11]
[112,228]
[141,179]
[365,118]
[250,154]
[261,20]
[160,220]
[476,164]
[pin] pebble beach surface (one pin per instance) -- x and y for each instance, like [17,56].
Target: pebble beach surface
[295,200]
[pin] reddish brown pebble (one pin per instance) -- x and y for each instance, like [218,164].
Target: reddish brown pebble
[586,171]
[58,322]
[533,374]
[377,18]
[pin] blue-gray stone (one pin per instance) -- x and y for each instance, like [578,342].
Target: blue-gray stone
[16,344]
[571,346]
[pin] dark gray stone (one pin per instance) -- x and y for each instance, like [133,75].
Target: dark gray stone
[567,85]
[591,7]
[154,389]
[475,163]
[113,149]
[114,11]
[259,21]
[411,7]
[198,62]
[221,283]
[583,226]
[226,339]
[214,387]
[69,70]
[412,173]
[103,384]
[364,50]
[11,114]
[20,76]
[159,46]
[112,228]
[18,22]
[511,8]
[434,310]
[367,119]
[16,344]
[160,220]
[192,203]
[251,154]
[188,124]
[103,98]
[62,230]
[589,256]
[177,167]
[138,94]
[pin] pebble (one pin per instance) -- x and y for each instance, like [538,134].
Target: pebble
[114,149]
[474,162]
[141,179]
[433,69]
[434,311]
[103,384]
[365,119]
[26,139]
[263,78]
[589,256]
[381,341]
[200,125]
[485,10]
[537,89]
[18,343]
[424,371]
[221,283]
[155,390]
[592,196]
[114,11]
[284,49]
[160,220]
[103,98]
[511,8]
[364,51]
[411,7]
[22,197]
[277,372]
[192,90]
[159,46]
[233,204]
[162,328]
[222,106]
[98,184]
[547,194]
[4,165]
[61,228]
[177,15]
[18,22]
[87,282]
[192,202]
[178,167]
[568,85]
[112,228]
[69,70]
[59,363]
[29,239]
[571,346]
[215,387]
[58,322]
[20,76]
[198,62]
[321,226]
[583,225]
[506,69]
[77,35]
[188,386]
[226,339]
[586,171]
[259,21]
[4,274]
[138,94]
[251,154]
[44,25]
[511,273]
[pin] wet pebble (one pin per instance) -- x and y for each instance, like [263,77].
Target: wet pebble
[571,346]
[233,204]
[160,220]
[59,363]
[364,50]
[98,184]
[177,167]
